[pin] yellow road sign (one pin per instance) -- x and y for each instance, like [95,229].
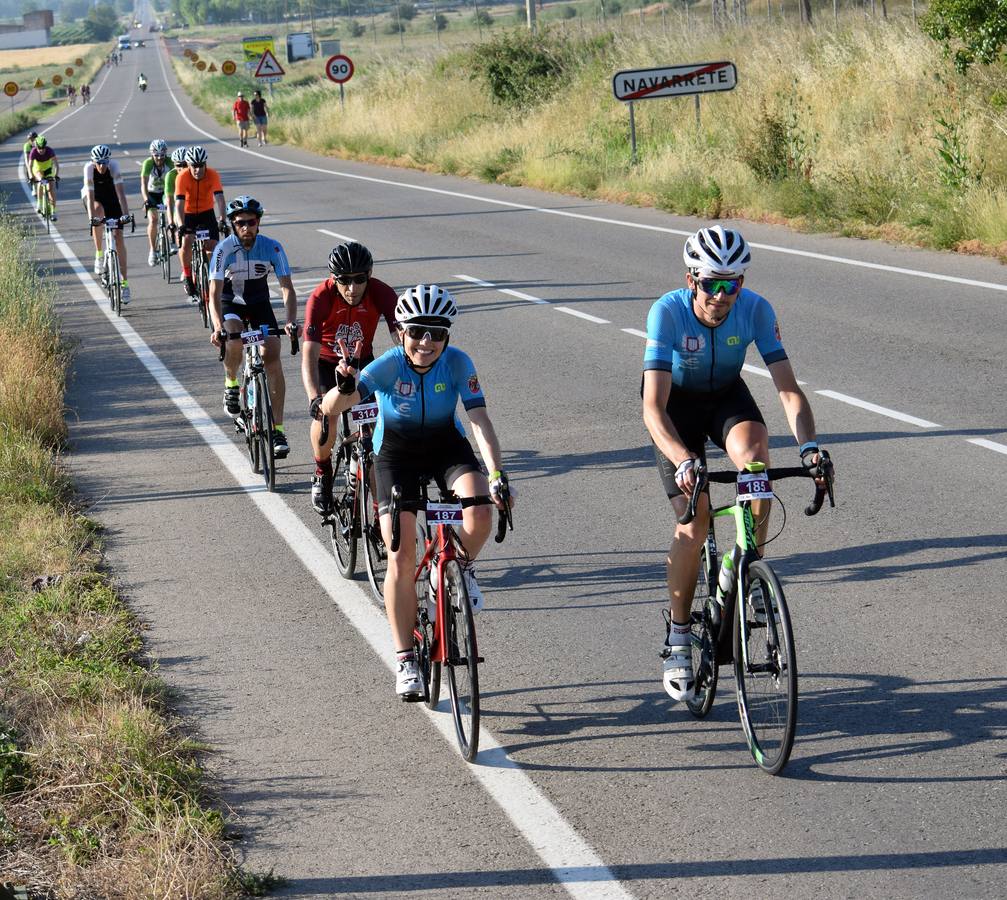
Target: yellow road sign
[228,67]
[10,88]
[57,79]
[254,47]
[201,65]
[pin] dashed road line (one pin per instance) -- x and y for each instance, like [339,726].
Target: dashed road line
[340,237]
[587,317]
[880,410]
[989,445]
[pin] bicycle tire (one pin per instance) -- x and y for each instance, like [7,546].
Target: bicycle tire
[114,282]
[463,661]
[204,294]
[164,249]
[704,636]
[343,525]
[427,628]
[375,554]
[765,667]
[248,421]
[264,431]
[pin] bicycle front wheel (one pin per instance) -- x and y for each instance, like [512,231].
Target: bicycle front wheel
[264,432]
[704,634]
[343,524]
[426,597]
[114,282]
[164,249]
[765,666]
[463,660]
[204,294]
[375,554]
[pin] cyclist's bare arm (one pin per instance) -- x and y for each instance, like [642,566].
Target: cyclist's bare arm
[656,391]
[216,311]
[795,402]
[311,352]
[486,438]
[218,203]
[289,297]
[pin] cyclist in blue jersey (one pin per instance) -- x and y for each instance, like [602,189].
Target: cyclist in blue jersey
[239,293]
[697,337]
[417,385]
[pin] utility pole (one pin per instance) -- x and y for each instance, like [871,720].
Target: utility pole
[530,7]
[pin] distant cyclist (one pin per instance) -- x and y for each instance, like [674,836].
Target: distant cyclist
[152,184]
[29,145]
[346,307]
[239,293]
[178,165]
[105,198]
[141,82]
[417,385]
[697,337]
[199,203]
[44,172]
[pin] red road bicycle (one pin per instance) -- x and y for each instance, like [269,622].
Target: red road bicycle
[445,633]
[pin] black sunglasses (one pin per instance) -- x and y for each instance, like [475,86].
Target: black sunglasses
[351,279]
[418,332]
[244,223]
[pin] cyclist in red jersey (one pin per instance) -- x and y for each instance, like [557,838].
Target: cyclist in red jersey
[346,307]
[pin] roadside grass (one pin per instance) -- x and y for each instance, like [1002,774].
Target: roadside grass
[36,64]
[861,129]
[101,791]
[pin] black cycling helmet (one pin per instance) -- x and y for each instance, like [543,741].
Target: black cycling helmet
[350,258]
[244,203]
[32,135]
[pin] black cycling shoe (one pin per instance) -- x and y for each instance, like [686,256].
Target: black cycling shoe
[321,494]
[232,401]
[189,286]
[280,446]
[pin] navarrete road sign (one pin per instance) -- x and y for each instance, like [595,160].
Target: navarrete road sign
[674,81]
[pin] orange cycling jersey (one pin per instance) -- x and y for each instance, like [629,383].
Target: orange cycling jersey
[198,194]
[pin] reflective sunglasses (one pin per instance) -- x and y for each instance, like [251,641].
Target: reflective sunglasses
[197,165]
[244,223]
[716,285]
[418,332]
[351,279]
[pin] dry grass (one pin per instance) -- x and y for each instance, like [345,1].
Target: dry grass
[43,56]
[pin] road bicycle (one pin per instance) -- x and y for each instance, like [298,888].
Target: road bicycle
[354,506]
[201,274]
[43,203]
[755,635]
[111,272]
[444,636]
[255,421]
[162,242]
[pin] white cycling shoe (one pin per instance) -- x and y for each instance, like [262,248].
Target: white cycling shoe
[408,684]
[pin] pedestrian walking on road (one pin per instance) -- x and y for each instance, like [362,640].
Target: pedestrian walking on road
[260,117]
[241,111]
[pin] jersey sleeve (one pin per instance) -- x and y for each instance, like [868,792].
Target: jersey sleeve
[113,167]
[316,310]
[466,380]
[386,303]
[218,260]
[767,332]
[148,164]
[662,334]
[278,258]
[215,186]
[379,376]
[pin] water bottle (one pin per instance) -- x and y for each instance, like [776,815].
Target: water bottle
[725,582]
[250,394]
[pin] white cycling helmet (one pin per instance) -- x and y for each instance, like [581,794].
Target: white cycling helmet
[178,155]
[196,156]
[717,252]
[426,304]
[101,153]
[158,147]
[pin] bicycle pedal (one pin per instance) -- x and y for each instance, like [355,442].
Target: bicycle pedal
[411,698]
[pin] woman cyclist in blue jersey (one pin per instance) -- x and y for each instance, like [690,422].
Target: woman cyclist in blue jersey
[417,385]
[697,337]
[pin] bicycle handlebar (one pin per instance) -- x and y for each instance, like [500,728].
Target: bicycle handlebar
[504,521]
[824,469]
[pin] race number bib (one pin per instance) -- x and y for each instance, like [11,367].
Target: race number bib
[252,338]
[364,413]
[202,234]
[754,486]
[444,513]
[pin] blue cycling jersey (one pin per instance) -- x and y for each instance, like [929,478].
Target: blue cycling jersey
[244,272]
[702,358]
[412,405]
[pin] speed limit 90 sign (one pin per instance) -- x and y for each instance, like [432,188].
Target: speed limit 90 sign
[339,68]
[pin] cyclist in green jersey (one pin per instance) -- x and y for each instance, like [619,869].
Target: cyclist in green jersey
[179,165]
[26,152]
[152,173]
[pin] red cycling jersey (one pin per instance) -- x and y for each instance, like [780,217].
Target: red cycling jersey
[328,318]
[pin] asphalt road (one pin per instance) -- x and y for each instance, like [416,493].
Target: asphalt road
[593,782]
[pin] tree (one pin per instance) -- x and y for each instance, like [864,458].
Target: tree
[103,21]
[438,22]
[407,11]
[970,30]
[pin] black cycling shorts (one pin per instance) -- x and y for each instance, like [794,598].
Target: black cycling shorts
[255,314]
[699,416]
[205,220]
[109,201]
[154,199]
[443,456]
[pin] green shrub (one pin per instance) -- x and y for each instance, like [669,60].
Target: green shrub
[482,18]
[691,194]
[499,164]
[354,28]
[521,68]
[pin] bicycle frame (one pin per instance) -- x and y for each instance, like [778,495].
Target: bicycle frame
[439,550]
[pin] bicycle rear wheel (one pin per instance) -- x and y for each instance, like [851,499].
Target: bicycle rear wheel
[765,666]
[375,554]
[164,249]
[704,634]
[463,662]
[264,432]
[204,294]
[343,524]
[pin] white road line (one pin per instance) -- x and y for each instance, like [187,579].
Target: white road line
[635,332]
[341,237]
[880,410]
[511,293]
[601,220]
[573,862]
[755,370]
[989,445]
[581,315]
